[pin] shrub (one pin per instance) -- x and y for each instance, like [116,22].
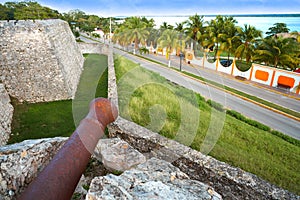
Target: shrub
[261,126]
[144,50]
[216,105]
[258,125]
[76,34]
[251,122]
[286,138]
[236,115]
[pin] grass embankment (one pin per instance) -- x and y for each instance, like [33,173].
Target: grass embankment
[240,144]
[52,119]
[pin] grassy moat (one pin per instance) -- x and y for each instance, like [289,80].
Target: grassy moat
[52,119]
[240,144]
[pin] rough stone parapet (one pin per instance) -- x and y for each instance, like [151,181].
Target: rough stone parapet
[40,60]
[230,182]
[112,92]
[155,179]
[118,155]
[6,114]
[20,163]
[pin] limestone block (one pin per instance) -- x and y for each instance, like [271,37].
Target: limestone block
[41,60]
[20,163]
[155,179]
[118,155]
[6,114]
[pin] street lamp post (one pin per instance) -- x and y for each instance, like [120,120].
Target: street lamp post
[110,30]
[181,56]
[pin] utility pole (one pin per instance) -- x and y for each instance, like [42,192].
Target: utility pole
[110,30]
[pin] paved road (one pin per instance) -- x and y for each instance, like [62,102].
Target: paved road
[87,40]
[247,87]
[253,111]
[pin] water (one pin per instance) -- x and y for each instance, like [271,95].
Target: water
[261,23]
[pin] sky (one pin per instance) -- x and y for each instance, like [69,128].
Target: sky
[108,8]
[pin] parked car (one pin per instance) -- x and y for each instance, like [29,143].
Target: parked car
[226,63]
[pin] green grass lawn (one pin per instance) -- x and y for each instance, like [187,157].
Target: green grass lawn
[155,103]
[52,119]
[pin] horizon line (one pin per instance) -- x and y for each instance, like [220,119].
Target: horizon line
[213,15]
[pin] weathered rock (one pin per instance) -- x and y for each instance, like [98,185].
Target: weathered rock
[6,114]
[92,48]
[118,155]
[40,60]
[80,191]
[230,182]
[20,163]
[155,179]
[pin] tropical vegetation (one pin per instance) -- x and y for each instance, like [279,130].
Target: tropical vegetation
[31,10]
[218,36]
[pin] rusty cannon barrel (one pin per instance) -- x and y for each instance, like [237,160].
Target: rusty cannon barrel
[59,178]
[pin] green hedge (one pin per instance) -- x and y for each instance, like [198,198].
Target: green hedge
[261,126]
[216,105]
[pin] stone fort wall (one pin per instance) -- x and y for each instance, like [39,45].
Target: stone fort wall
[39,60]
[6,114]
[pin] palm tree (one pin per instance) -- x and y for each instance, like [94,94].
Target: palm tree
[121,37]
[165,26]
[170,40]
[277,28]
[195,28]
[215,30]
[296,35]
[247,37]
[278,51]
[230,37]
[133,29]
[179,27]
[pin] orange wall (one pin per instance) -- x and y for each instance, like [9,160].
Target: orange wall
[189,56]
[288,81]
[261,75]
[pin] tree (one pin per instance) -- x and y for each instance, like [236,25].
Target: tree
[279,51]
[277,28]
[195,29]
[133,29]
[165,26]
[30,10]
[149,23]
[230,38]
[215,30]
[4,12]
[171,40]
[179,27]
[296,35]
[247,37]
[76,34]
